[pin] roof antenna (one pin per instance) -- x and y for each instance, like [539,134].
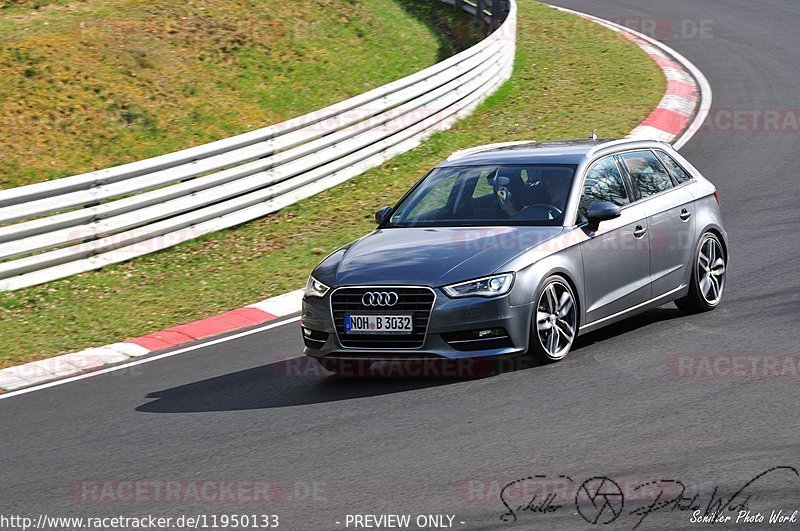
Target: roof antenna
[594,135]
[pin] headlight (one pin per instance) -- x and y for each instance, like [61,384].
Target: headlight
[483,287]
[315,288]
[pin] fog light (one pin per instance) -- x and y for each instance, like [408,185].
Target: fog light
[474,335]
[481,339]
[314,338]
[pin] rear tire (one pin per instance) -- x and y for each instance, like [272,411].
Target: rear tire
[708,276]
[554,324]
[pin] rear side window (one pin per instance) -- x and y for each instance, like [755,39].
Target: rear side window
[649,176]
[603,183]
[681,175]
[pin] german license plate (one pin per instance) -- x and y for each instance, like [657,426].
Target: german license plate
[379,324]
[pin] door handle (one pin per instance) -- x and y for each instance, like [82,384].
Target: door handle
[685,215]
[640,231]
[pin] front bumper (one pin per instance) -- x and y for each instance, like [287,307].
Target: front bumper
[448,318]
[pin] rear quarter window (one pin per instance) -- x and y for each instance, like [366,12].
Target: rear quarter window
[648,174]
[678,173]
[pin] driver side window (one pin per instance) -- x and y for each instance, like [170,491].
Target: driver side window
[603,183]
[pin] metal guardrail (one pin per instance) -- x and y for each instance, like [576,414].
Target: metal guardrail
[62,227]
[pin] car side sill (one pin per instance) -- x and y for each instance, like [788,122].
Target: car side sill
[624,314]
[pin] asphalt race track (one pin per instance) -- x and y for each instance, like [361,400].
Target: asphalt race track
[621,406]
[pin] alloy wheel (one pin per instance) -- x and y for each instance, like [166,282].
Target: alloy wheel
[711,271]
[556,319]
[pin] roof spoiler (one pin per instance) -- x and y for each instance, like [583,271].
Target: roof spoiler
[465,152]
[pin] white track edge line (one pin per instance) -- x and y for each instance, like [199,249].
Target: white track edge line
[147,360]
[706,94]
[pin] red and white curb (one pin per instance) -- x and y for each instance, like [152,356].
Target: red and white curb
[688,97]
[93,359]
[676,119]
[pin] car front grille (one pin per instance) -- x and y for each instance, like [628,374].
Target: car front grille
[415,301]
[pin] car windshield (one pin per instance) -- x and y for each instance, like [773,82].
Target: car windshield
[487,195]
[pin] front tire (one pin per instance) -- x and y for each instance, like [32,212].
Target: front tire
[554,324]
[708,277]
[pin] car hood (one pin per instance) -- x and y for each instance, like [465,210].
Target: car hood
[434,256]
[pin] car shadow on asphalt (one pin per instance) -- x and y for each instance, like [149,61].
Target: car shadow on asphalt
[301,381]
[650,317]
[294,382]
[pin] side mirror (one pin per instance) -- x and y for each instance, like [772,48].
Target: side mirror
[602,211]
[383,214]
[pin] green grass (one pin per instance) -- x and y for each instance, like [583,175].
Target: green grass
[90,84]
[571,76]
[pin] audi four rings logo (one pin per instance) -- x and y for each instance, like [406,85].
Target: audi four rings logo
[380,298]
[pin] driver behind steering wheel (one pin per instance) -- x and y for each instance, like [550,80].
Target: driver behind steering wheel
[525,201]
[511,193]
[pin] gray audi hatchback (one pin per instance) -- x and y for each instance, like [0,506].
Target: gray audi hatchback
[518,248]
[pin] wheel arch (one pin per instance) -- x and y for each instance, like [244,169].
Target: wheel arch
[716,231]
[568,264]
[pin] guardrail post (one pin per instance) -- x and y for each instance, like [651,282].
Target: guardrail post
[95,237]
[497,16]
[458,5]
[479,11]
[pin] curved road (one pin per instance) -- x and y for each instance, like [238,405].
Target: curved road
[627,404]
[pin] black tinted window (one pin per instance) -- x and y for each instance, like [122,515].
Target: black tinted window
[603,183]
[678,172]
[648,174]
